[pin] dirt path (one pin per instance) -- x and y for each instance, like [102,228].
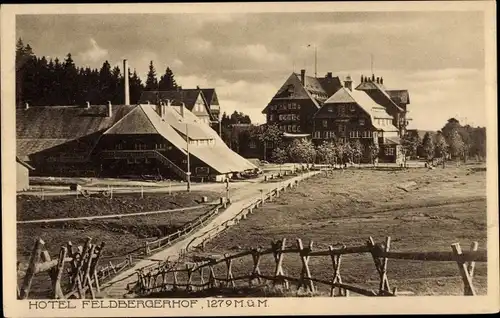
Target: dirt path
[241,197]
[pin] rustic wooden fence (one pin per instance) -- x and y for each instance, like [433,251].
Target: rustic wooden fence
[249,209]
[190,276]
[199,222]
[73,274]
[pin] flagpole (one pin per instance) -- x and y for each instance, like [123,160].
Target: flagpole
[315,61]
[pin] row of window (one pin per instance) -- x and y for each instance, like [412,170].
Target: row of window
[283,117]
[290,128]
[285,105]
[341,109]
[362,134]
[325,122]
[383,121]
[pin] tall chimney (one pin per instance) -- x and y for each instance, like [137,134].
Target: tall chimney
[182,109]
[381,80]
[159,109]
[125,76]
[303,76]
[378,79]
[348,82]
[373,77]
[110,109]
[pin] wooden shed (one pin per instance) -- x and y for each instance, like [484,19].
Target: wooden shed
[22,175]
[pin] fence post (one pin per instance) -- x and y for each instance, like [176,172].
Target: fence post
[57,274]
[305,275]
[256,271]
[381,264]
[30,272]
[229,276]
[278,247]
[336,261]
[464,270]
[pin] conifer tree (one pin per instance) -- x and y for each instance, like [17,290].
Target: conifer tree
[151,81]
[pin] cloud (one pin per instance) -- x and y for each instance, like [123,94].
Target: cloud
[94,54]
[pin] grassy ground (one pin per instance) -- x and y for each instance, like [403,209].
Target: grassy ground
[120,235]
[446,206]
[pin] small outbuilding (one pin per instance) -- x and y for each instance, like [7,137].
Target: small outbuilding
[22,174]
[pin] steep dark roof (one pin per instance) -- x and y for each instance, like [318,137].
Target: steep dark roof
[41,128]
[317,89]
[330,84]
[399,96]
[188,96]
[209,96]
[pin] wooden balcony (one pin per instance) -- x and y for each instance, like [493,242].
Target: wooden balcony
[141,154]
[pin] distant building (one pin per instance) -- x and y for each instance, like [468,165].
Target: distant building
[117,140]
[328,110]
[292,108]
[22,175]
[203,102]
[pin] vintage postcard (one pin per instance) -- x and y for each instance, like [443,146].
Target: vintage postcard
[249,159]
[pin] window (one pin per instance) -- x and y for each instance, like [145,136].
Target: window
[341,128]
[298,117]
[354,134]
[330,109]
[289,128]
[298,106]
[252,144]
[352,108]
[317,135]
[361,121]
[325,123]
[271,117]
[280,117]
[341,109]
[389,151]
[298,129]
[294,128]
[269,144]
[118,146]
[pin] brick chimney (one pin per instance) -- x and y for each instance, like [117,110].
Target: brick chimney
[348,82]
[373,77]
[381,80]
[159,109]
[303,77]
[110,109]
[182,109]
[362,78]
[127,87]
[378,80]
[329,75]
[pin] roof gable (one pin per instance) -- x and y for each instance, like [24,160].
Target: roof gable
[293,89]
[135,122]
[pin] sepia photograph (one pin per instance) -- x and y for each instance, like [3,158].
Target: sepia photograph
[192,159]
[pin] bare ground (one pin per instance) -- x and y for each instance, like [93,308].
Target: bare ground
[446,206]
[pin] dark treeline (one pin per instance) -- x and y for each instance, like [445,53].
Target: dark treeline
[43,82]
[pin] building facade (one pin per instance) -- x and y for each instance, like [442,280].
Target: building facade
[292,108]
[22,175]
[327,109]
[118,140]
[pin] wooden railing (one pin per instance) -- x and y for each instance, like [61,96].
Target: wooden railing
[81,270]
[199,222]
[139,154]
[166,278]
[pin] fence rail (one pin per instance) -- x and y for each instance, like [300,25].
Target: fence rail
[152,246]
[164,277]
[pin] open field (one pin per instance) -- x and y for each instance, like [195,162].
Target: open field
[120,235]
[446,206]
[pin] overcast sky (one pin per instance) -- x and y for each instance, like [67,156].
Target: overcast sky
[437,56]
